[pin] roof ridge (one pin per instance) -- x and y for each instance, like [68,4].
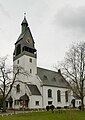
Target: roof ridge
[47,69]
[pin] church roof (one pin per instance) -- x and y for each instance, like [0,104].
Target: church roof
[52,78]
[24,97]
[34,90]
[25,34]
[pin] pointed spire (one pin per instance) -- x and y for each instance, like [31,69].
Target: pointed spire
[24,15]
[24,23]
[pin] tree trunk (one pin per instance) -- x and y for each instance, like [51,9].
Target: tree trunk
[82,104]
[4,106]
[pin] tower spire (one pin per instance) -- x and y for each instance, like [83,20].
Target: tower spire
[24,24]
[24,14]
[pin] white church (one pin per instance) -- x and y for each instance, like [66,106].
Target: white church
[44,87]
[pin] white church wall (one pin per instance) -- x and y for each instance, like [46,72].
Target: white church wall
[33,102]
[54,96]
[16,95]
[29,67]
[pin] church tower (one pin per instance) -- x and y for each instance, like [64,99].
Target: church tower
[25,54]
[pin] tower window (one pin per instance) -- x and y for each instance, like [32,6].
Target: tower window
[30,60]
[30,70]
[17,61]
[25,48]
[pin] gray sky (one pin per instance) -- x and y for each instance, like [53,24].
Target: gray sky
[55,25]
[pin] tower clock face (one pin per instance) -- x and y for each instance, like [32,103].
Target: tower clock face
[28,40]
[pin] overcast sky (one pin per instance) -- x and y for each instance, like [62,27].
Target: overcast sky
[55,25]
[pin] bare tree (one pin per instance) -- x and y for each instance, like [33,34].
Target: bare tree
[73,68]
[8,78]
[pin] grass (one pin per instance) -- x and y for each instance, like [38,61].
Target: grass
[57,115]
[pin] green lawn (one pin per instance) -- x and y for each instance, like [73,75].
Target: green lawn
[57,115]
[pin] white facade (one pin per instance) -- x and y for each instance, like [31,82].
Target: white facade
[54,98]
[24,62]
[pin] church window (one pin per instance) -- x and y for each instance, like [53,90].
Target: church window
[49,102]
[30,70]
[49,93]
[58,96]
[25,48]
[37,103]
[17,61]
[66,96]
[77,102]
[16,102]
[18,49]
[18,88]
[30,60]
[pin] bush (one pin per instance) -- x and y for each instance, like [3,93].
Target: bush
[66,107]
[79,107]
[58,107]
[52,107]
[47,108]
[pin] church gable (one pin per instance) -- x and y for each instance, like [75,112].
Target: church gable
[51,78]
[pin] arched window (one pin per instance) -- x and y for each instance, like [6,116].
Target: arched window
[18,88]
[59,96]
[66,96]
[49,93]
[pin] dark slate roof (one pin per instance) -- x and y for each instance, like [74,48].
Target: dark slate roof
[21,36]
[34,90]
[24,97]
[24,34]
[24,21]
[52,78]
